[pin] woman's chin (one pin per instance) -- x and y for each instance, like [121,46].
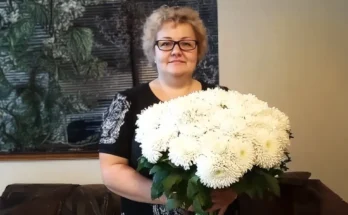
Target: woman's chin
[178,73]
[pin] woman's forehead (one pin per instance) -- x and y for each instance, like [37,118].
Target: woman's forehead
[176,31]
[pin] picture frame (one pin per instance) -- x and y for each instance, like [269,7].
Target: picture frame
[64,71]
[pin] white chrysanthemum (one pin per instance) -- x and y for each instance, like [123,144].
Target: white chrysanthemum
[183,151]
[224,133]
[282,118]
[151,116]
[252,103]
[235,150]
[243,154]
[283,138]
[217,172]
[275,118]
[268,150]
[213,143]
[261,122]
[151,154]
[179,111]
[193,129]
[153,145]
[234,99]
[237,111]
[218,98]
[227,123]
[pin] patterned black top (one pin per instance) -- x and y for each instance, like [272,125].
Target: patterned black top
[118,134]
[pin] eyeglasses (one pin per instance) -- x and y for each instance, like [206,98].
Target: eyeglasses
[184,45]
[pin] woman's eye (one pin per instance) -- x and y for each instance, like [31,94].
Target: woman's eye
[166,44]
[187,44]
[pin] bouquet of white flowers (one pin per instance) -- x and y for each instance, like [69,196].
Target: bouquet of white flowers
[212,139]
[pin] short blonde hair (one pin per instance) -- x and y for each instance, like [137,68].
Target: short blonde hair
[178,15]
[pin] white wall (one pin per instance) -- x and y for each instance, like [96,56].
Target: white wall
[292,53]
[62,171]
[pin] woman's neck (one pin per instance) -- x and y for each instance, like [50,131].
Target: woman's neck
[166,89]
[175,83]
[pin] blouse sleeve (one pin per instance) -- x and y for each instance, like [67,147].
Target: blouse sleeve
[116,128]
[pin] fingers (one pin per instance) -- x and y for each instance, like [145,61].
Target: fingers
[191,209]
[216,192]
[221,203]
[215,207]
[215,200]
[222,210]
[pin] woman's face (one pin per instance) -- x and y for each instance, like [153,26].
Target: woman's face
[176,61]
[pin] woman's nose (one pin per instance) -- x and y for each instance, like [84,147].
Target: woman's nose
[176,50]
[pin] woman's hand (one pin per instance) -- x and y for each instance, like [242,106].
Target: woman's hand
[221,199]
[162,200]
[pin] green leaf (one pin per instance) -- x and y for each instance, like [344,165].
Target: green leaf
[80,42]
[192,187]
[199,204]
[93,68]
[156,190]
[188,203]
[140,163]
[171,180]
[272,183]
[155,169]
[143,163]
[172,165]
[259,184]
[181,192]
[38,12]
[250,193]
[164,158]
[203,196]
[160,175]
[259,191]
[173,203]
[20,31]
[241,186]
[195,179]
[5,86]
[275,172]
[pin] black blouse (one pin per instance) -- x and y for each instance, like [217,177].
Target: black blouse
[118,138]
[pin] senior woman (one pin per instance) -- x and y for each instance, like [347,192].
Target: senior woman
[174,40]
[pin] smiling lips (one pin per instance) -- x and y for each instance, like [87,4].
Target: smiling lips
[177,61]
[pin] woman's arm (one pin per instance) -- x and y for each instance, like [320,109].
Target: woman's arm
[125,181]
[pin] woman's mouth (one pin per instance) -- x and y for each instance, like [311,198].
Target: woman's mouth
[177,61]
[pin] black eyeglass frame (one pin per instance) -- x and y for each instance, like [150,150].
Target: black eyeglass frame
[176,42]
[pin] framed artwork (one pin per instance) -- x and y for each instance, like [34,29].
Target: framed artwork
[61,63]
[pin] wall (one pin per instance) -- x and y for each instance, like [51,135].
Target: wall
[74,171]
[295,57]
[292,55]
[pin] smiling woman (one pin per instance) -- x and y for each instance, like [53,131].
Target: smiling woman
[174,41]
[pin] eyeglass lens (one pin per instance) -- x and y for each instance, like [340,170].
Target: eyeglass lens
[167,45]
